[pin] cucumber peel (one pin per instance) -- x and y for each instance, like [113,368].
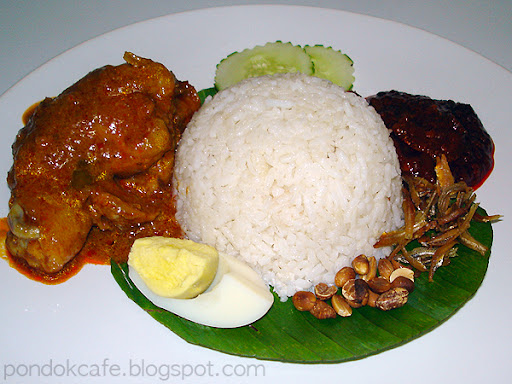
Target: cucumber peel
[279,57]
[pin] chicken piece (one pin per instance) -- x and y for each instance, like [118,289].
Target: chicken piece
[99,155]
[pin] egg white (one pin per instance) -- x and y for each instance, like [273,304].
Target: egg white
[237,297]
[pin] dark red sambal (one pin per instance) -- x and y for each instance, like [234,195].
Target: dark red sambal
[424,128]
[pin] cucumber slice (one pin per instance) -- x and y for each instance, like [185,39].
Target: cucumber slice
[271,58]
[332,65]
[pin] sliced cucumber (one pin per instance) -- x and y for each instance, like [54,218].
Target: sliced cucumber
[332,65]
[279,57]
[268,59]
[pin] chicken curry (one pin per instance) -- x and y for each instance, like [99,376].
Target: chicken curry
[93,167]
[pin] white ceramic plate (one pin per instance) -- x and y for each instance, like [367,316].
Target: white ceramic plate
[87,327]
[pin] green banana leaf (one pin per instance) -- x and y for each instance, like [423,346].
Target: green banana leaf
[204,93]
[285,334]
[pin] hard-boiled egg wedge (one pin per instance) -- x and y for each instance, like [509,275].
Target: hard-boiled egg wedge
[237,296]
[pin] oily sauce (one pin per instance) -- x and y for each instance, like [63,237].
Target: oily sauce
[28,113]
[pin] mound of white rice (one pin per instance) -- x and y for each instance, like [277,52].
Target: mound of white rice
[291,174]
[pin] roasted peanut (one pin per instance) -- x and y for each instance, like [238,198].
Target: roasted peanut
[385,268]
[403,282]
[356,290]
[341,306]
[406,272]
[324,291]
[372,269]
[321,310]
[353,304]
[379,284]
[360,265]
[394,298]
[372,298]
[304,300]
[343,275]
[348,289]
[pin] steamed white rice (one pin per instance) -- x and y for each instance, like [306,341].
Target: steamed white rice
[291,174]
